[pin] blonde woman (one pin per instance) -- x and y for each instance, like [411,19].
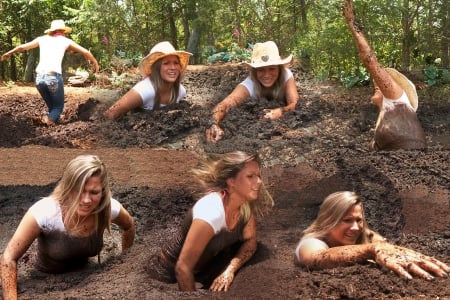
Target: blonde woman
[221,224]
[162,70]
[269,79]
[69,224]
[339,236]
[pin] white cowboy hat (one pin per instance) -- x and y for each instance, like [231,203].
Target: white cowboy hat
[406,85]
[266,54]
[159,51]
[58,25]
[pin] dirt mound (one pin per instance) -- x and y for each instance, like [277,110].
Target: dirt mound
[320,148]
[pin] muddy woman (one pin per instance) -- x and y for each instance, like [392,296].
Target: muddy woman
[69,224]
[162,70]
[269,79]
[218,235]
[397,126]
[339,236]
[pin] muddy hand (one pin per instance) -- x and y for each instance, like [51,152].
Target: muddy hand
[405,262]
[222,282]
[273,114]
[214,133]
[347,11]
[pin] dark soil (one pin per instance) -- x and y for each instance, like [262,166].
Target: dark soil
[320,148]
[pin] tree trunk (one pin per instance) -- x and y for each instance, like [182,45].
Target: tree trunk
[445,37]
[406,45]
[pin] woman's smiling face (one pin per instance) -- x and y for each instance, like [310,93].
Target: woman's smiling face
[267,76]
[349,228]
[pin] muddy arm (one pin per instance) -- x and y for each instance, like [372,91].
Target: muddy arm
[245,252]
[292,98]
[127,102]
[26,233]
[387,85]
[237,96]
[127,226]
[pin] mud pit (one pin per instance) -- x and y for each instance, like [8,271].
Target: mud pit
[318,149]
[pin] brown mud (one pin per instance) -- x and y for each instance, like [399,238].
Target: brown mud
[320,148]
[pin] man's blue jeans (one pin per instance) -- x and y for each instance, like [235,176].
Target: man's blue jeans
[51,88]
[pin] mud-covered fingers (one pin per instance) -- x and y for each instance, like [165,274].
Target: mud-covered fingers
[347,10]
[214,133]
[434,266]
[394,266]
[416,270]
[222,282]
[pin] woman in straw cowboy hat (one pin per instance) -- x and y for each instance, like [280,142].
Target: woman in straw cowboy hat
[339,236]
[397,126]
[49,81]
[162,69]
[269,78]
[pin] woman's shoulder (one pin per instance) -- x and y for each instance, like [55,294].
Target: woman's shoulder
[47,204]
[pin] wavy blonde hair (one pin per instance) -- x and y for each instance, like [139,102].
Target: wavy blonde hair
[332,210]
[71,185]
[215,169]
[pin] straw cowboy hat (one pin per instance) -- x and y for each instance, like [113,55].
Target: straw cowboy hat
[159,51]
[58,25]
[266,54]
[406,85]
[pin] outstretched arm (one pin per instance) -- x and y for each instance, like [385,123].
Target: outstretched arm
[237,96]
[383,80]
[127,102]
[27,231]
[86,53]
[402,261]
[21,48]
[245,252]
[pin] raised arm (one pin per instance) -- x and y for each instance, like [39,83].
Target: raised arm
[237,96]
[198,237]
[27,231]
[246,251]
[127,227]
[383,80]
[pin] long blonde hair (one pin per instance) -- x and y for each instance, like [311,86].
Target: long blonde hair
[157,81]
[215,169]
[332,210]
[277,92]
[71,185]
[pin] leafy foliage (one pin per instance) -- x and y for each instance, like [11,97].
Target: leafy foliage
[222,30]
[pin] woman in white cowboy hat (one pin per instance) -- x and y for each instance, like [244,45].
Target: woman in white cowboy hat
[397,125]
[269,78]
[162,69]
[49,81]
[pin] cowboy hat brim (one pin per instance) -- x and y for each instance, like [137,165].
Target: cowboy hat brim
[145,66]
[285,61]
[406,85]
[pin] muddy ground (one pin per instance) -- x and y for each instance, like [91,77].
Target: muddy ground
[320,148]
